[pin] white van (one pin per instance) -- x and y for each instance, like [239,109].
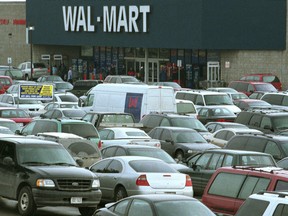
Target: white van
[136,99]
[186,107]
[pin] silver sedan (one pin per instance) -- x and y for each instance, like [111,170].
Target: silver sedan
[132,175]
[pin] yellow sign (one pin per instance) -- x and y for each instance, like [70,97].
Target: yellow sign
[41,92]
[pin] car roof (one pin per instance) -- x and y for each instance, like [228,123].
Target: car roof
[162,197]
[176,128]
[133,147]
[124,129]
[203,92]
[132,158]
[60,135]
[236,152]
[263,170]
[224,123]
[6,120]
[240,130]
[26,140]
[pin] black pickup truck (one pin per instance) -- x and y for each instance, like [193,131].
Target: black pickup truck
[80,87]
[111,119]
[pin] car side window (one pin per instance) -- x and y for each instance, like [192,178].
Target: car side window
[281,185]
[120,207]
[27,130]
[203,160]
[229,135]
[115,167]
[255,120]
[214,161]
[237,143]
[221,135]
[231,188]
[256,144]
[191,97]
[228,160]
[281,210]
[273,149]
[140,208]
[285,101]
[211,127]
[253,185]
[109,152]
[100,166]
[7,150]
[266,123]
[199,100]
[104,134]
[89,100]
[44,126]
[203,112]
[56,114]
[120,152]
[165,135]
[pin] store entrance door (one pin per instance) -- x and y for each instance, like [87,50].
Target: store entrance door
[153,70]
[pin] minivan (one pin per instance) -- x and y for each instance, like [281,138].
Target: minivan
[229,187]
[248,87]
[264,77]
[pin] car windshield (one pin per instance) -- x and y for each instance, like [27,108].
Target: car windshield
[64,85]
[192,123]
[136,134]
[81,129]
[280,122]
[187,137]
[16,73]
[182,207]
[258,207]
[155,153]
[68,98]
[74,113]
[186,108]
[115,118]
[151,166]
[38,154]
[258,103]
[129,79]
[218,100]
[237,96]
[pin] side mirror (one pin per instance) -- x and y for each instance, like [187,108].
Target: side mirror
[8,161]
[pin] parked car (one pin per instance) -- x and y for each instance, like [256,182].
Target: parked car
[276,145]
[38,69]
[245,104]
[14,88]
[65,97]
[77,127]
[237,95]
[49,78]
[264,77]
[146,151]
[6,81]
[221,137]
[20,116]
[186,107]
[268,120]
[217,113]
[265,203]
[257,94]
[125,136]
[205,163]
[174,85]
[228,187]
[153,120]
[9,123]
[59,113]
[180,142]
[77,146]
[62,86]
[132,175]
[208,98]
[13,73]
[121,79]
[279,98]
[156,205]
[248,87]
[43,173]
[80,87]
[109,119]
[222,89]
[215,126]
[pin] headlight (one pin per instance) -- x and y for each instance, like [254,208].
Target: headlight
[190,151]
[96,183]
[45,183]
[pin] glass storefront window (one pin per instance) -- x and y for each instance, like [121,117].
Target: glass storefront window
[140,53]
[152,53]
[129,52]
[164,54]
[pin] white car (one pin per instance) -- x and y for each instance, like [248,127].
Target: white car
[126,135]
[221,137]
[65,97]
[8,123]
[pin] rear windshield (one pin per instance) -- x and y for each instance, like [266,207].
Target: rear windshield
[270,79]
[218,100]
[39,65]
[151,166]
[267,88]
[83,130]
[68,98]
[258,207]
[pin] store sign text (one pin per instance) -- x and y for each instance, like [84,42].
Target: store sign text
[114,19]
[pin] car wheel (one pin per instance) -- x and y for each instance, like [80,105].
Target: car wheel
[120,193]
[26,204]
[87,211]
[179,155]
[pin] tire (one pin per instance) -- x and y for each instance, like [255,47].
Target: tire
[179,155]
[120,193]
[26,204]
[87,211]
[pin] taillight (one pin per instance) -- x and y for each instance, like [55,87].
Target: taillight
[99,144]
[142,181]
[188,181]
[158,145]
[221,120]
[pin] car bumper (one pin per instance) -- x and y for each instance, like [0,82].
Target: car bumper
[63,198]
[143,191]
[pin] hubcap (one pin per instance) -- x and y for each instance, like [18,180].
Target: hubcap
[24,202]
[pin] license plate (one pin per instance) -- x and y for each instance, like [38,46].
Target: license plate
[76,200]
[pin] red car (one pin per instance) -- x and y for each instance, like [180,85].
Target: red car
[229,187]
[6,81]
[20,116]
[263,77]
[248,87]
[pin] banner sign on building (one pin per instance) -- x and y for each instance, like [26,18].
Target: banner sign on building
[36,92]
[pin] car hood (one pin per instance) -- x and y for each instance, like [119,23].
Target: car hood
[62,171]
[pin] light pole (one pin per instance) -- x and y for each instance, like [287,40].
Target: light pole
[30,29]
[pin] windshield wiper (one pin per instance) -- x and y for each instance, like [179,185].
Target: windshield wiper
[35,163]
[62,164]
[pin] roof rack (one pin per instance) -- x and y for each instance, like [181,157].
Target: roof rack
[259,169]
[277,193]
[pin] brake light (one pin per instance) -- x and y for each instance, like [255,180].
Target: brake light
[188,181]
[221,120]
[142,181]
[100,144]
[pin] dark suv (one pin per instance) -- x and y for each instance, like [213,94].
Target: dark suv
[276,145]
[267,120]
[42,173]
[153,120]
